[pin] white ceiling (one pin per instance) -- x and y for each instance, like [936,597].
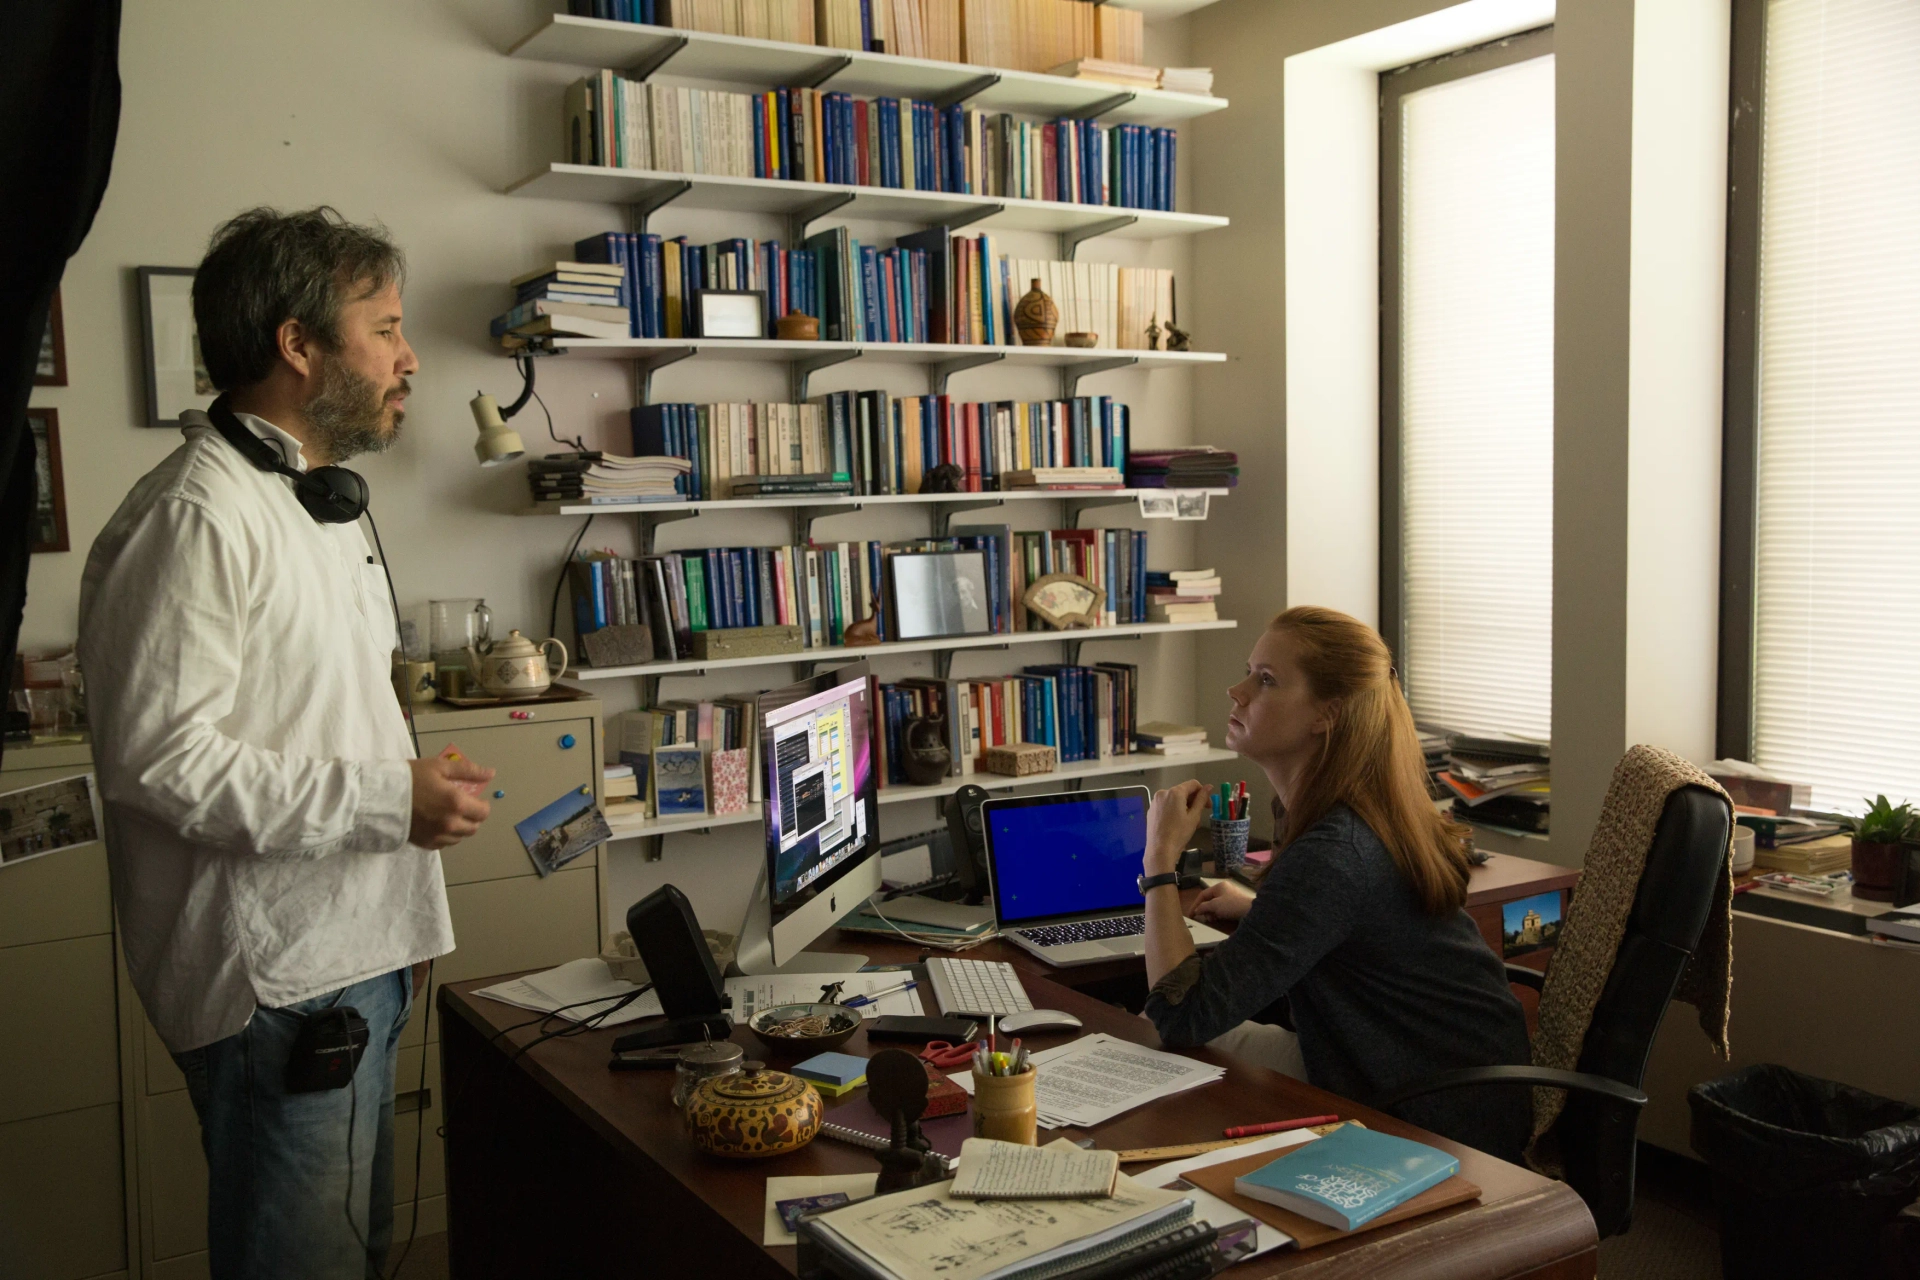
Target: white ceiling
[1158,9]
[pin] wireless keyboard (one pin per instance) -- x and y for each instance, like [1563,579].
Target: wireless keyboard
[976,988]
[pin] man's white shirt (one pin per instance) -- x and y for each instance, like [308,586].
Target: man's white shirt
[251,754]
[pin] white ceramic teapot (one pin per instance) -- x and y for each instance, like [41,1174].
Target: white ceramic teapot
[514,666]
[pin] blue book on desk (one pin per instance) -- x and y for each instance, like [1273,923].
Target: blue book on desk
[1349,1177]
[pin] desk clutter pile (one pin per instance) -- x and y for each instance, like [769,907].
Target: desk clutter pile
[1504,783]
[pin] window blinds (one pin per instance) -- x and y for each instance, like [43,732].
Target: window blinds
[1837,606]
[1476,400]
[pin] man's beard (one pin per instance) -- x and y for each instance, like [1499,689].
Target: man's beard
[348,413]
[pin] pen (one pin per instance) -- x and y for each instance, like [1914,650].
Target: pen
[993,1042]
[1276,1126]
[874,997]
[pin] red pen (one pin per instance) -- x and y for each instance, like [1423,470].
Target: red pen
[1277,1126]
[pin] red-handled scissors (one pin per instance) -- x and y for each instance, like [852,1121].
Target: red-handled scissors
[945,1056]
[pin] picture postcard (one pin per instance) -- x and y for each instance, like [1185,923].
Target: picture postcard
[562,831]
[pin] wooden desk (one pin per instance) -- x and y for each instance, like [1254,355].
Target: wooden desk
[557,1166]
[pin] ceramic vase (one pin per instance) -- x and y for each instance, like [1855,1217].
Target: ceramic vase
[1035,317]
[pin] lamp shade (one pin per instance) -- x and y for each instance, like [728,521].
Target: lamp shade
[498,442]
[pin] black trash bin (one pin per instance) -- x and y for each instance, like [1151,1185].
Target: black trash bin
[1805,1172]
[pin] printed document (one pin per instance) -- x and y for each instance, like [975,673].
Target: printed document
[1091,1080]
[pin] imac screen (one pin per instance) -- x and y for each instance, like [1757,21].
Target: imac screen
[821,810]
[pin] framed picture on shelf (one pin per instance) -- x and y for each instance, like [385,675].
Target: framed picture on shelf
[731,313]
[940,593]
[176,377]
[49,522]
[51,369]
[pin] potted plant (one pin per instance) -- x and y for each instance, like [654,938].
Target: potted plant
[1878,838]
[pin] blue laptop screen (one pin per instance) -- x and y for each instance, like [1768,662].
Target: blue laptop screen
[1070,857]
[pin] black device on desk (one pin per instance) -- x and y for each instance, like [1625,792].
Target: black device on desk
[969,841]
[681,968]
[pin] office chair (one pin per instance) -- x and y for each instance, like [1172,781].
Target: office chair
[1596,1131]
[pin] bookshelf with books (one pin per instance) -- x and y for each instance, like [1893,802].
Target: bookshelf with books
[1120,187]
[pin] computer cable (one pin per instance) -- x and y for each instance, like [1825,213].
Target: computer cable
[590,1023]
[553,609]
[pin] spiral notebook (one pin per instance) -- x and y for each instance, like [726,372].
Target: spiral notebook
[992,1170]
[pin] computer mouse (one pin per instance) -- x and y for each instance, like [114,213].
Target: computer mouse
[1016,1024]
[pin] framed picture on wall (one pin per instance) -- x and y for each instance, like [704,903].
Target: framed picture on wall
[49,523]
[176,377]
[51,370]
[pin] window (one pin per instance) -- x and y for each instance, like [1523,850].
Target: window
[1466,400]
[1821,660]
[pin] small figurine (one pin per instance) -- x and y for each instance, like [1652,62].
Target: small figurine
[1178,338]
[897,1088]
[1153,334]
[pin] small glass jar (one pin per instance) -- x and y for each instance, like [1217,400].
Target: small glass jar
[704,1062]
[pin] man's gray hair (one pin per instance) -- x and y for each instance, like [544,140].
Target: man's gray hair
[264,267]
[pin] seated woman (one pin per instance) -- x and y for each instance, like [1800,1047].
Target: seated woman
[1359,920]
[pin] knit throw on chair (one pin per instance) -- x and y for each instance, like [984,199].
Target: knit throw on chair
[1597,920]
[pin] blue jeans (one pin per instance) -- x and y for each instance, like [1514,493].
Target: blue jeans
[285,1197]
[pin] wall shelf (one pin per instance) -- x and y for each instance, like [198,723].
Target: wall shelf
[655,188]
[838,653]
[772,349]
[833,505]
[627,828]
[594,43]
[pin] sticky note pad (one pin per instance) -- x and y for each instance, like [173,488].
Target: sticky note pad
[839,1070]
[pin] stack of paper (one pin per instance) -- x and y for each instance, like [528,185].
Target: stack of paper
[1091,1080]
[589,980]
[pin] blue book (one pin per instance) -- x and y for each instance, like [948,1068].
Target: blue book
[1349,1177]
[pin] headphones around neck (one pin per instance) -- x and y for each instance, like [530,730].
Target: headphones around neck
[331,495]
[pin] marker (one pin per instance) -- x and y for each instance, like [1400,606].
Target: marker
[1276,1126]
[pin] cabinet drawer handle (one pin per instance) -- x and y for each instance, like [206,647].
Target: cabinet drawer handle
[566,742]
[499,795]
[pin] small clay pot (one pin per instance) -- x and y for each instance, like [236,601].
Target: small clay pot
[927,757]
[797,326]
[1876,870]
[1035,317]
[1082,339]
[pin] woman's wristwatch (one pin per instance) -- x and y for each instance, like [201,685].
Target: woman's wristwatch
[1154,882]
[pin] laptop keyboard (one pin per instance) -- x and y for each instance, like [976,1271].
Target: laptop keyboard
[1061,935]
[976,988]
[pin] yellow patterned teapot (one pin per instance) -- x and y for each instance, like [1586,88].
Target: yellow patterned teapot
[515,666]
[754,1114]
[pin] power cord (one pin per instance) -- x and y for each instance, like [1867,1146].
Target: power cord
[591,1023]
[525,364]
[553,609]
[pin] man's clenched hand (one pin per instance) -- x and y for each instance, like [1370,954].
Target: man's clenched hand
[445,810]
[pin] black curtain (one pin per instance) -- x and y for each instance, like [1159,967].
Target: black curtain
[59,112]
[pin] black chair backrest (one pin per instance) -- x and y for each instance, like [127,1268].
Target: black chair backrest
[1669,913]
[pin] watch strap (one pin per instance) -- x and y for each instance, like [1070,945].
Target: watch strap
[1155,881]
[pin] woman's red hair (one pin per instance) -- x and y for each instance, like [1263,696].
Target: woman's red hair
[1371,759]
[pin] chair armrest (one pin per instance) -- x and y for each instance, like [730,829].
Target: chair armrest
[1548,1077]
[1519,975]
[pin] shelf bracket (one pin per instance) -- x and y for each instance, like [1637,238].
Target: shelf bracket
[824,72]
[644,208]
[939,372]
[651,521]
[806,215]
[1100,108]
[660,57]
[971,216]
[801,370]
[1079,637]
[1070,241]
[971,89]
[645,366]
[1070,374]
[1077,507]
[943,658]
[944,514]
[803,518]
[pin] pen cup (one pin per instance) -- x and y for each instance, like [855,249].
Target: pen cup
[1229,844]
[1003,1108]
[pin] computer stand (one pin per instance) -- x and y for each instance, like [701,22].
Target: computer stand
[676,1031]
[755,953]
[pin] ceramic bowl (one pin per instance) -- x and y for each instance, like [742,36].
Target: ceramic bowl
[1082,339]
[754,1114]
[845,1022]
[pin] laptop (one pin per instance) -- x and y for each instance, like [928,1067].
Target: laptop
[1064,870]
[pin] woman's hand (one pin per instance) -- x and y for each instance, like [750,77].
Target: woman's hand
[1171,821]
[1222,902]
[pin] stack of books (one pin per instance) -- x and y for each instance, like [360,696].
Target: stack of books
[869,442]
[1128,75]
[584,299]
[1184,595]
[1499,782]
[620,792]
[594,476]
[1197,80]
[1820,856]
[1201,467]
[1164,739]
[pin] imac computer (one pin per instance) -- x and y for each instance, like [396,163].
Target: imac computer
[822,821]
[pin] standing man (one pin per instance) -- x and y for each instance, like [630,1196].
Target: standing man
[272,841]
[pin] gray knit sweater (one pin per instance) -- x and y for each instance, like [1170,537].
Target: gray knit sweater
[1380,992]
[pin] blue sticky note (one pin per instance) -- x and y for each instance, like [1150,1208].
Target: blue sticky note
[832,1068]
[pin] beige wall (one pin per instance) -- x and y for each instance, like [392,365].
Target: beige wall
[411,115]
[1640,234]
